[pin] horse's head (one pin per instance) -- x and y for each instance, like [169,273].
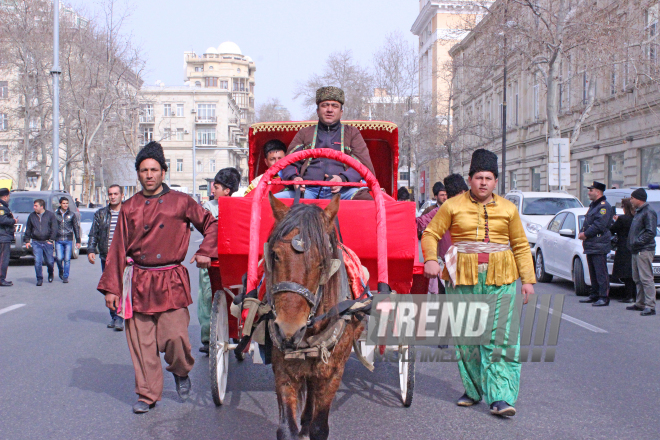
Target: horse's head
[298,260]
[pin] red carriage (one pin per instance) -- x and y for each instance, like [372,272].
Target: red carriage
[382,232]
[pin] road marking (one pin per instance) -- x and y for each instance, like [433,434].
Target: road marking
[10,308]
[579,322]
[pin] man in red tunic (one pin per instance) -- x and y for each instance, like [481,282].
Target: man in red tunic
[151,240]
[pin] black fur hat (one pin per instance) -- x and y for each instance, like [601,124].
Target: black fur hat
[454,185]
[229,178]
[437,187]
[152,150]
[483,160]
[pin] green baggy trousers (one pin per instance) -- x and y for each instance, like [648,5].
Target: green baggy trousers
[204,304]
[491,371]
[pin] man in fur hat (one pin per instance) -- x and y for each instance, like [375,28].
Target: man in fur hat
[150,242]
[489,253]
[328,133]
[225,184]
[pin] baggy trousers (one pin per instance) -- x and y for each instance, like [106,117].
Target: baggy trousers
[204,304]
[150,335]
[493,374]
[642,271]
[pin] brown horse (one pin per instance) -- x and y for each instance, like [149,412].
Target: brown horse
[301,285]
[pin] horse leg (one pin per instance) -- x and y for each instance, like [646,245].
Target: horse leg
[324,391]
[287,399]
[308,411]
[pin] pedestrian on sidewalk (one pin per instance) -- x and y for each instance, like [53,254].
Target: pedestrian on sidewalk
[489,252]
[7,227]
[622,267]
[225,184]
[149,244]
[642,245]
[41,229]
[68,227]
[597,243]
[100,239]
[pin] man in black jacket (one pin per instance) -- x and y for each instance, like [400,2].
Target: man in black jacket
[100,238]
[68,227]
[596,241]
[41,228]
[7,223]
[642,245]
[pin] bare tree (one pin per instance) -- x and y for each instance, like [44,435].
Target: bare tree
[272,110]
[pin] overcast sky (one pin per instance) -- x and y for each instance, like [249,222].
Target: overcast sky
[288,39]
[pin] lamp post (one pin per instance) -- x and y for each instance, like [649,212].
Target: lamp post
[55,71]
[409,115]
[504,53]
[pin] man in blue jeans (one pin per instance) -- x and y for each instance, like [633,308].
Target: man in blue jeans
[41,228]
[68,227]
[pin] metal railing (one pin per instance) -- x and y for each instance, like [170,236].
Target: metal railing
[146,119]
[207,142]
[206,119]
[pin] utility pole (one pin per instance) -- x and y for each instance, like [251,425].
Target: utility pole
[504,50]
[56,72]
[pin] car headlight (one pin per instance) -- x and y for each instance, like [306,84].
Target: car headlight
[534,228]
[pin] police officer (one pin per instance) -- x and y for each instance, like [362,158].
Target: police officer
[596,241]
[7,222]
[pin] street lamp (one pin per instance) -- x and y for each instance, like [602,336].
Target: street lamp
[409,114]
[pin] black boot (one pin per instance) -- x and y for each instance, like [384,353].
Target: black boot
[183,386]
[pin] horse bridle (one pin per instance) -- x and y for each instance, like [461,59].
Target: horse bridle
[291,287]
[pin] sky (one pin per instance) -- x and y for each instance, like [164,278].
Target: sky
[289,40]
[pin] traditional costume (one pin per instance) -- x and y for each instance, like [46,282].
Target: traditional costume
[339,137]
[489,253]
[229,178]
[143,268]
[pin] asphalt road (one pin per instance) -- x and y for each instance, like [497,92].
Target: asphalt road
[66,376]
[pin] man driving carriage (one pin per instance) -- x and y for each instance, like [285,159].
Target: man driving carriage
[328,133]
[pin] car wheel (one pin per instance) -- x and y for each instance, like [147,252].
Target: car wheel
[578,278]
[74,252]
[541,275]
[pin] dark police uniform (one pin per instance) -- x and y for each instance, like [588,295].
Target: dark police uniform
[597,245]
[6,236]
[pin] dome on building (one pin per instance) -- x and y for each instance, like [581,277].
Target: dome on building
[248,59]
[211,50]
[229,47]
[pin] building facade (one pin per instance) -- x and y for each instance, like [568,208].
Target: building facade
[619,143]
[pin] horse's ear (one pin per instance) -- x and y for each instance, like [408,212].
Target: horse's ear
[279,209]
[331,210]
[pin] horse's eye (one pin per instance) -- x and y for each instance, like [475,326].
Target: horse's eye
[274,256]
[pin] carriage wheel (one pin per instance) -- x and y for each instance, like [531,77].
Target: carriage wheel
[367,351]
[218,347]
[406,373]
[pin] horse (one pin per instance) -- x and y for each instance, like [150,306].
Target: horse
[301,258]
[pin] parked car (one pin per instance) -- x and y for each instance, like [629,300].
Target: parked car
[86,220]
[538,208]
[21,204]
[559,252]
[614,196]
[429,202]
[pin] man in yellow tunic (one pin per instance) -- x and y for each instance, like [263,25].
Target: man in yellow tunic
[489,253]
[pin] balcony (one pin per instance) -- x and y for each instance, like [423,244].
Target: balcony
[206,142]
[147,119]
[233,121]
[206,119]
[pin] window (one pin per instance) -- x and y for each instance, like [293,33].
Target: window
[206,136]
[210,67]
[4,90]
[4,122]
[515,200]
[651,19]
[516,109]
[585,87]
[179,110]
[4,153]
[147,134]
[212,165]
[403,175]
[615,170]
[569,223]
[200,166]
[586,177]
[536,179]
[179,134]
[224,85]
[179,165]
[613,82]
[169,168]
[513,180]
[547,205]
[206,112]
[167,133]
[199,68]
[650,166]
[167,110]
[147,113]
[198,84]
[535,97]
[556,222]
[211,82]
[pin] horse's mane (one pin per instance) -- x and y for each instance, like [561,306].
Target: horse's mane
[310,221]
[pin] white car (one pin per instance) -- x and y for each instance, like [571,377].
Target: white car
[86,220]
[538,208]
[559,252]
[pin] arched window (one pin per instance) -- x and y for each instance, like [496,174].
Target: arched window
[198,84]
